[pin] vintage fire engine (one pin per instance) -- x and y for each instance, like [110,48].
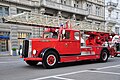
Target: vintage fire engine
[63,43]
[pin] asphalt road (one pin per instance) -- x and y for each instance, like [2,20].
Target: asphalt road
[13,68]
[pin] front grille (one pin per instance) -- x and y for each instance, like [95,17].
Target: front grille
[25,48]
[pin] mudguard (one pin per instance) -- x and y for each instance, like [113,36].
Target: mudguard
[43,52]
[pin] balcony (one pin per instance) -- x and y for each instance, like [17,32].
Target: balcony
[98,2]
[4,27]
[111,21]
[66,8]
[112,5]
[24,2]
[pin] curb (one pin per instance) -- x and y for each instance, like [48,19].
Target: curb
[7,55]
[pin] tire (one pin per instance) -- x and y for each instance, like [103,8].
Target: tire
[104,56]
[50,60]
[32,63]
[116,55]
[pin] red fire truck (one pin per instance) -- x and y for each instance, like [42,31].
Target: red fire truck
[63,44]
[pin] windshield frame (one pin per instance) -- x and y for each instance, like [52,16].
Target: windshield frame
[51,35]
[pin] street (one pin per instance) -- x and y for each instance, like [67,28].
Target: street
[13,68]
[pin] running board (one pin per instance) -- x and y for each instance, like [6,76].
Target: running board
[78,58]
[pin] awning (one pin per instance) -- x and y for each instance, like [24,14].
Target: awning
[4,37]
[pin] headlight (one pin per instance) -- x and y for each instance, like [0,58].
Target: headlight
[30,48]
[30,45]
[34,51]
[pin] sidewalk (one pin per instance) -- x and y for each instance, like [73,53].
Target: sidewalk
[7,53]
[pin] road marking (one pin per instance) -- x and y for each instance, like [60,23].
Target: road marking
[108,67]
[62,78]
[105,72]
[9,62]
[60,75]
[117,67]
[70,73]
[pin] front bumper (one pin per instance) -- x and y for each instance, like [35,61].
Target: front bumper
[32,59]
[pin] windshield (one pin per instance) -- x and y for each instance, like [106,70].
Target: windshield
[51,35]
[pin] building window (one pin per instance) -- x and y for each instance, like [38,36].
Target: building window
[117,30]
[76,4]
[89,8]
[63,1]
[117,13]
[66,35]
[98,10]
[4,39]
[4,11]
[21,10]
[76,36]
[22,35]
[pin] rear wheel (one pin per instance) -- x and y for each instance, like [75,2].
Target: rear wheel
[104,56]
[116,55]
[32,63]
[50,60]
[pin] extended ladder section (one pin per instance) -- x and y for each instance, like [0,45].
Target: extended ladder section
[42,20]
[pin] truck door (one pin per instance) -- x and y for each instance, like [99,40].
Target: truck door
[68,45]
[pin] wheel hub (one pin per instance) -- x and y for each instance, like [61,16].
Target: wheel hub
[51,60]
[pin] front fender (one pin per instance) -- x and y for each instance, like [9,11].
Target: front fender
[43,52]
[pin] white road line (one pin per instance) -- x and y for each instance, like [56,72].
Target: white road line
[108,67]
[117,67]
[60,75]
[105,72]
[70,73]
[62,78]
[9,62]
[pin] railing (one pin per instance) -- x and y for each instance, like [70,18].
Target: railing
[112,4]
[97,2]
[25,2]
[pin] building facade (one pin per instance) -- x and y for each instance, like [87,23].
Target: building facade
[89,12]
[112,15]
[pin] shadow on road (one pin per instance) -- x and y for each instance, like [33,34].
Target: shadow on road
[69,64]
[78,63]
[39,66]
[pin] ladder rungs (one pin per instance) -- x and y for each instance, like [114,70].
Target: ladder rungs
[45,20]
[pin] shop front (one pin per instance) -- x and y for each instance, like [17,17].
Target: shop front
[4,42]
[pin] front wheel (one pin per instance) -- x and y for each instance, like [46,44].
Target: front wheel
[50,60]
[104,56]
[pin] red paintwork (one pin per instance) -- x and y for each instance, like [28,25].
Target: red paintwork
[71,46]
[32,59]
[51,59]
[97,38]
[79,58]
[117,52]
